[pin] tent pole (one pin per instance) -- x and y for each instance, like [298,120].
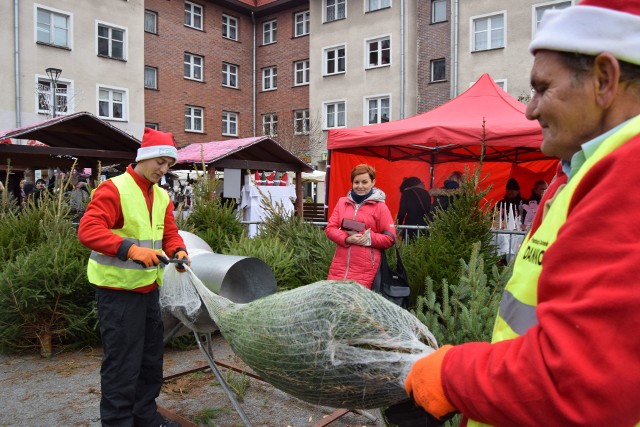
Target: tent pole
[327,181]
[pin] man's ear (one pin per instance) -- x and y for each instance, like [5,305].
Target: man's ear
[606,71]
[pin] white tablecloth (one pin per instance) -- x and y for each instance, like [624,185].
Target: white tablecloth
[507,244]
[251,203]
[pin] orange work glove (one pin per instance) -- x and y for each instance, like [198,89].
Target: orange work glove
[425,383]
[143,256]
[183,256]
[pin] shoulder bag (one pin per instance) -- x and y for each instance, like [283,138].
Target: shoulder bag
[393,285]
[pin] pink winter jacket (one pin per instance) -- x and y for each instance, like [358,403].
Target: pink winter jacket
[355,262]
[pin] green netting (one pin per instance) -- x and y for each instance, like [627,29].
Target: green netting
[329,343]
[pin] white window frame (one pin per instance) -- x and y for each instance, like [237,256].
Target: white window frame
[52,34]
[193,119]
[152,125]
[190,61]
[229,122]
[301,72]
[230,72]
[229,27]
[488,17]
[432,78]
[269,78]
[301,122]
[331,9]
[378,110]
[270,31]
[111,40]
[154,70]
[112,90]
[301,23]
[435,4]
[378,51]
[502,83]
[373,5]
[61,93]
[153,16]
[325,60]
[335,106]
[192,13]
[270,124]
[544,6]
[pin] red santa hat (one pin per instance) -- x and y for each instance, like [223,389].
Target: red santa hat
[592,27]
[157,144]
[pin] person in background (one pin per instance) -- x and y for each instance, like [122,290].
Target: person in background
[78,198]
[565,345]
[415,204]
[39,192]
[537,191]
[357,255]
[443,197]
[530,207]
[127,225]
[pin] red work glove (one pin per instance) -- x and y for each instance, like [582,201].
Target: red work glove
[143,256]
[425,383]
[183,256]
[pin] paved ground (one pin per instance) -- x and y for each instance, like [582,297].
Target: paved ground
[65,391]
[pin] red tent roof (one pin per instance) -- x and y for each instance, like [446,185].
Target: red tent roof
[452,132]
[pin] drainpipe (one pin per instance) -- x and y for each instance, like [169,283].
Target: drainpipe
[253,92]
[402,59]
[16,37]
[455,49]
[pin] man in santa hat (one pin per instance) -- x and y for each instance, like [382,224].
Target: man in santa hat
[127,224]
[565,343]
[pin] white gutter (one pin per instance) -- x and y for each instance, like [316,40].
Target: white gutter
[253,91]
[455,30]
[402,59]
[16,37]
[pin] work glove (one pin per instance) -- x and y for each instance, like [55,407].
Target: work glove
[144,256]
[424,383]
[407,414]
[182,255]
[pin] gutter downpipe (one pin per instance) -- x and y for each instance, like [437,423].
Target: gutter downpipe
[16,36]
[253,89]
[402,59]
[455,49]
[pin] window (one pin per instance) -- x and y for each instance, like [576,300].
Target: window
[378,52]
[377,4]
[150,22]
[270,124]
[229,27]
[334,10]
[229,75]
[192,15]
[502,83]
[438,70]
[334,60]
[438,11]
[229,123]
[112,103]
[193,66]
[45,97]
[52,27]
[488,32]
[193,117]
[152,125]
[269,78]
[378,110]
[301,122]
[334,114]
[110,42]
[301,23]
[539,11]
[269,32]
[151,77]
[301,72]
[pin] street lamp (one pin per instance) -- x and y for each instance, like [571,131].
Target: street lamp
[54,74]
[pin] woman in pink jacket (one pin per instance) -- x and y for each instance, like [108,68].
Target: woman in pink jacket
[357,254]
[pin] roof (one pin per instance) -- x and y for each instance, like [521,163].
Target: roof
[454,131]
[256,153]
[81,136]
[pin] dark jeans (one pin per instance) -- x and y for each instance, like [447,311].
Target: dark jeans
[131,374]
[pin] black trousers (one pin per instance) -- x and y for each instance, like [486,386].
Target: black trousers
[131,373]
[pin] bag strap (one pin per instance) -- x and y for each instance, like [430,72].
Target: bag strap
[419,199]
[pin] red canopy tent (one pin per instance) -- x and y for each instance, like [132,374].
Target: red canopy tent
[435,143]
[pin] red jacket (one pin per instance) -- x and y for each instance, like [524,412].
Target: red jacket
[581,364]
[355,262]
[105,213]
